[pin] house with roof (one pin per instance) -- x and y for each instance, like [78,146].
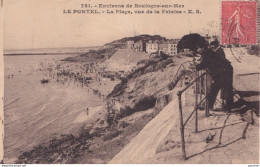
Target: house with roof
[139,46]
[130,44]
[152,47]
[172,48]
[163,48]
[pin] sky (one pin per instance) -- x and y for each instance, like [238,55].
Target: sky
[42,24]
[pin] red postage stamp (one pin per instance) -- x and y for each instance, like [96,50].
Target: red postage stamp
[239,20]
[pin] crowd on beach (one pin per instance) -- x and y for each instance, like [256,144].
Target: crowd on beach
[81,75]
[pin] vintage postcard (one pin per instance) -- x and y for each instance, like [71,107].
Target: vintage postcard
[129,81]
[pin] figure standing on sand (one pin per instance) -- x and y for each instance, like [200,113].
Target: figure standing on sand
[221,71]
[87,111]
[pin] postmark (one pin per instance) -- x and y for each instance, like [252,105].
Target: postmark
[238,21]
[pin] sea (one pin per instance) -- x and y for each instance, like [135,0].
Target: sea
[35,113]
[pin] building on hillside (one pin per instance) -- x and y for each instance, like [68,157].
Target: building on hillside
[139,46]
[163,48]
[172,49]
[130,44]
[152,46]
[174,40]
[169,48]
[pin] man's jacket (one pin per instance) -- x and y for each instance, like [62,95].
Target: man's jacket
[217,65]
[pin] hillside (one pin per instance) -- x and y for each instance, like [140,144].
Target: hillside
[143,37]
[147,86]
[109,49]
[125,60]
[94,55]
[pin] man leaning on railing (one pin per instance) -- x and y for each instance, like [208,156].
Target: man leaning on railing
[221,71]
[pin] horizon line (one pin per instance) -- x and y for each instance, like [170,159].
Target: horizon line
[51,48]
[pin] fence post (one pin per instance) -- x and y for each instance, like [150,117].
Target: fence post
[200,86]
[206,94]
[196,104]
[181,127]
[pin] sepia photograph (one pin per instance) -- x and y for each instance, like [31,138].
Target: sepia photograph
[130,82]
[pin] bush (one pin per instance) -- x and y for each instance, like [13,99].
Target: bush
[126,111]
[118,89]
[111,134]
[143,104]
